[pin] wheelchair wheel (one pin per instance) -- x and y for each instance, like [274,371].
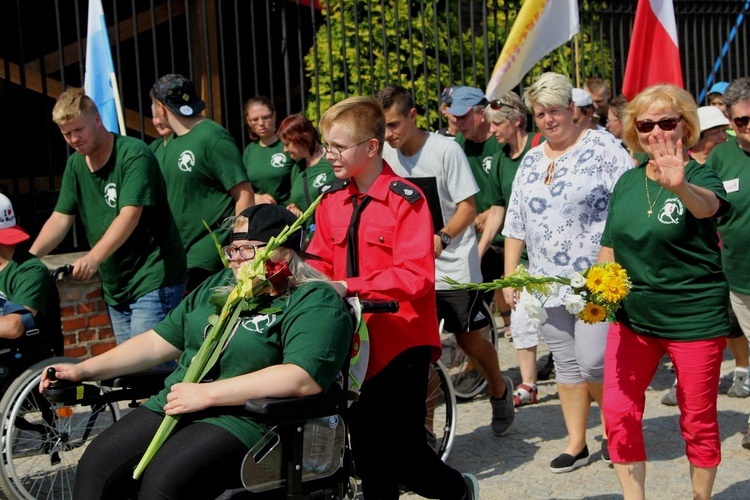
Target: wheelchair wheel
[440,423]
[42,443]
[468,380]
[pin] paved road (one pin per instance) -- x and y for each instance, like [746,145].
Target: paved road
[516,466]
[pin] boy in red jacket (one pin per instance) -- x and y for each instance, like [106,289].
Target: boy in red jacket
[374,238]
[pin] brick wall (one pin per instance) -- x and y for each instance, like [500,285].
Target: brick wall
[85,322]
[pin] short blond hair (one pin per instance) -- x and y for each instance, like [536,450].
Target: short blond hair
[71,105]
[666,97]
[550,89]
[362,118]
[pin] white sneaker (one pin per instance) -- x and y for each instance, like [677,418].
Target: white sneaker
[740,385]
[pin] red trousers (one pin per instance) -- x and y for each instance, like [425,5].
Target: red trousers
[630,362]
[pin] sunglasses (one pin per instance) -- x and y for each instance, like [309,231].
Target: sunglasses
[498,104]
[665,124]
[741,121]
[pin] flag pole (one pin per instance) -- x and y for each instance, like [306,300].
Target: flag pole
[118,104]
[578,66]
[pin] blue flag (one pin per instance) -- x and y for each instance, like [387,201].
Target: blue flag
[100,71]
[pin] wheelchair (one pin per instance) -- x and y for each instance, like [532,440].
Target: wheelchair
[467,379]
[26,355]
[45,436]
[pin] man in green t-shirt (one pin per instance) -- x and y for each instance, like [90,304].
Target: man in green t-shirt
[113,182]
[202,166]
[479,146]
[731,160]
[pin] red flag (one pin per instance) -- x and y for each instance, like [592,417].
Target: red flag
[654,55]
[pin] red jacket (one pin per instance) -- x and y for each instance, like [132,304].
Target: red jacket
[396,261]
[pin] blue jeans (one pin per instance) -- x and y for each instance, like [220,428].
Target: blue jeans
[145,312]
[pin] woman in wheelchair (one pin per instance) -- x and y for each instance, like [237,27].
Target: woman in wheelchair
[297,350]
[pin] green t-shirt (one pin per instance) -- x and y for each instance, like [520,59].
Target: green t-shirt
[158,146]
[313,330]
[152,257]
[200,169]
[25,280]
[733,166]
[480,156]
[307,181]
[269,169]
[673,259]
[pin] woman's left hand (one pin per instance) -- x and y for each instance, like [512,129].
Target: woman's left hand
[186,398]
[668,161]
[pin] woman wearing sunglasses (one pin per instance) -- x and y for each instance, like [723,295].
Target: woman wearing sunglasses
[662,228]
[557,209]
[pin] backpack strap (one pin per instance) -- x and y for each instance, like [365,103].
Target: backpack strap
[536,140]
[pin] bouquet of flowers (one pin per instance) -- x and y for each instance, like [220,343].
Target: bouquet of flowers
[245,296]
[596,294]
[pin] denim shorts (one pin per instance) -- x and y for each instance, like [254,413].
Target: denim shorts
[144,313]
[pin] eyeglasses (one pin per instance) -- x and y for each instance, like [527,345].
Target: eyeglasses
[665,124]
[246,252]
[337,152]
[741,121]
[550,173]
[264,118]
[498,104]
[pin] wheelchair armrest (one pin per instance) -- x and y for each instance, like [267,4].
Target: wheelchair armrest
[72,392]
[279,411]
[142,384]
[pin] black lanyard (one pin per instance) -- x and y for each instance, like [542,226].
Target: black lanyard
[352,254]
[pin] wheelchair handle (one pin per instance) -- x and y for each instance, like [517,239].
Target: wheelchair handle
[52,376]
[62,271]
[376,306]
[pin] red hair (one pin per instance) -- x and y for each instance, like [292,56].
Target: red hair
[299,130]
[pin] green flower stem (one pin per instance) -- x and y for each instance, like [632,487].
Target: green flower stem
[210,350]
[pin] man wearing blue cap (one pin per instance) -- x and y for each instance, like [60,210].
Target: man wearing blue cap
[480,146]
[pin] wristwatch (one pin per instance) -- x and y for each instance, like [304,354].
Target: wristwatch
[445,239]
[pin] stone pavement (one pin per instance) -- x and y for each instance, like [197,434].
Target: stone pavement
[517,465]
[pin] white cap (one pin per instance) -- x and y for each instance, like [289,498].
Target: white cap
[10,232]
[581,98]
[710,117]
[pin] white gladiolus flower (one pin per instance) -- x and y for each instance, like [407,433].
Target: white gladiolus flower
[553,289]
[535,309]
[577,280]
[574,303]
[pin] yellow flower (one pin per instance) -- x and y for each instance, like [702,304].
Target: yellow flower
[614,290]
[595,278]
[593,313]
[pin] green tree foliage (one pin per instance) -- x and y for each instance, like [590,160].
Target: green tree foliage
[424,46]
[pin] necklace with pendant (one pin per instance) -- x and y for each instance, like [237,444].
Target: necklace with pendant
[648,196]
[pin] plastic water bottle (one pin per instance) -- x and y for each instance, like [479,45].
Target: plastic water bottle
[320,434]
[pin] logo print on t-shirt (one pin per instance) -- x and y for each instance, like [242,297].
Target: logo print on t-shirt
[259,323]
[320,180]
[671,211]
[110,194]
[186,161]
[486,164]
[278,160]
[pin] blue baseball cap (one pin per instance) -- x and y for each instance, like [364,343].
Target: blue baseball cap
[718,88]
[465,98]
